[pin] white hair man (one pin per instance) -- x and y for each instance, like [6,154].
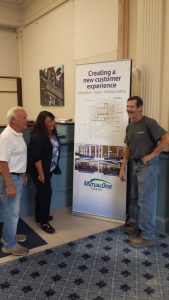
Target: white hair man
[13,158]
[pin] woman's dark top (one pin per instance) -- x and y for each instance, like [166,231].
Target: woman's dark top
[40,148]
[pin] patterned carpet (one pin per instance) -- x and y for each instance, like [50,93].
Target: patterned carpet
[100,267]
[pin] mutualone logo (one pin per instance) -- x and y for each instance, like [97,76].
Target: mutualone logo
[98,184]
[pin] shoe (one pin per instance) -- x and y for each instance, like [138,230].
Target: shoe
[133,230]
[17,251]
[129,222]
[142,243]
[38,221]
[19,238]
[48,228]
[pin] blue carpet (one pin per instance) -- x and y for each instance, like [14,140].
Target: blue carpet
[33,239]
[100,267]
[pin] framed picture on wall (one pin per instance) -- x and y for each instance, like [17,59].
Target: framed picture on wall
[52,86]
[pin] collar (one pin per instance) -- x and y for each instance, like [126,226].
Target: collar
[9,128]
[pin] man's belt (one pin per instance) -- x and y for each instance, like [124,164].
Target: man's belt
[17,174]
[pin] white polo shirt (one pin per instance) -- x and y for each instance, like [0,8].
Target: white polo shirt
[13,150]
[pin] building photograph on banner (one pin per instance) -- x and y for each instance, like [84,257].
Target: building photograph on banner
[102,90]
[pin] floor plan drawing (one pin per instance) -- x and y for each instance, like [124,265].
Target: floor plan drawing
[102,121]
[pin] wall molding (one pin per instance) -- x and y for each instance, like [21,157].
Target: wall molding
[23,20]
[43,11]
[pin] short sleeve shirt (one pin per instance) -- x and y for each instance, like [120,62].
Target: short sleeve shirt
[13,150]
[142,137]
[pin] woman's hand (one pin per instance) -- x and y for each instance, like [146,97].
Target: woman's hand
[41,178]
[39,168]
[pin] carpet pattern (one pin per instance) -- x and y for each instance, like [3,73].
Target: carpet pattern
[99,267]
[33,239]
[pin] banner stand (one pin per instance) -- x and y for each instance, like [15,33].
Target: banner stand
[101,93]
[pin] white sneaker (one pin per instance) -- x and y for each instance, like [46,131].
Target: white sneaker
[17,251]
[19,238]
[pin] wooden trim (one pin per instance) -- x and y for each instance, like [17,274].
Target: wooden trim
[9,77]
[65,123]
[18,90]
[45,9]
[123,29]
[126,28]
[8,92]
[68,143]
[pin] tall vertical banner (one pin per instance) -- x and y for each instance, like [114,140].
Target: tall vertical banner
[101,94]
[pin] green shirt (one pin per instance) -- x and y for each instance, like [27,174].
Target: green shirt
[142,137]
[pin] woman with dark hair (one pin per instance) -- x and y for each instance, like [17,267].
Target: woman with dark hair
[43,159]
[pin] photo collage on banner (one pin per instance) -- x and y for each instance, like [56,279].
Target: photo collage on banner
[101,94]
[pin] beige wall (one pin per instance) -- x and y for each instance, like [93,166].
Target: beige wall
[64,32]
[48,42]
[9,66]
[95,28]
[9,60]
[72,32]
[78,31]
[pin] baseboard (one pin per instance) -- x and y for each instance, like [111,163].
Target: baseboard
[162,224]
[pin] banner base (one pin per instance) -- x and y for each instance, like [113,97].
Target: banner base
[101,218]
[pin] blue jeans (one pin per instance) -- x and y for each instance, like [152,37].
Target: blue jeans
[144,194]
[11,210]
